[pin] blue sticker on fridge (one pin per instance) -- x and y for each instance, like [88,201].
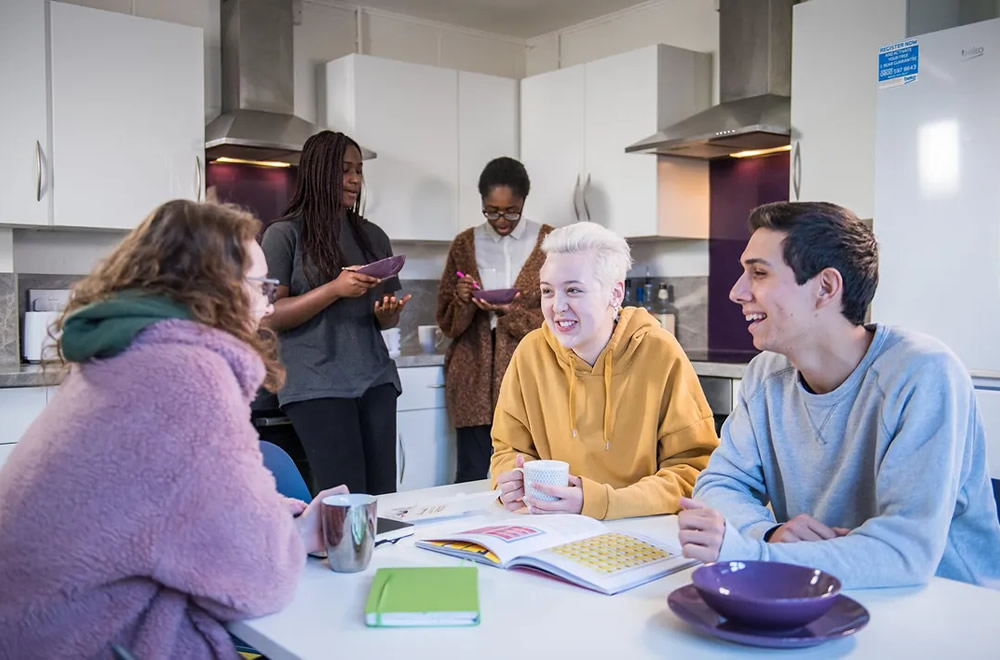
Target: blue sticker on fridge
[898,63]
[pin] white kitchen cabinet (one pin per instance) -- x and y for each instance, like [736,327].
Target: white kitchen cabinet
[628,97]
[576,123]
[834,80]
[5,451]
[25,182]
[552,144]
[127,114]
[988,402]
[487,129]
[425,449]
[19,406]
[425,439]
[407,113]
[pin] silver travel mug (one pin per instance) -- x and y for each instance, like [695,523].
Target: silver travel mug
[349,531]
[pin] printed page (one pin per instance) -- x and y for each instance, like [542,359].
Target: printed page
[610,562]
[443,508]
[519,535]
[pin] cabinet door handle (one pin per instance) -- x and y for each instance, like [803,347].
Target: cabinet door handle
[576,191]
[402,457]
[585,206]
[197,185]
[38,171]
[797,170]
[436,387]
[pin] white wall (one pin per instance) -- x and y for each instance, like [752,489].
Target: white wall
[61,251]
[691,24]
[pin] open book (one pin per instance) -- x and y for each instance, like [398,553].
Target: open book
[574,548]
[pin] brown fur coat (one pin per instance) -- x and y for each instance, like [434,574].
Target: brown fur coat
[472,373]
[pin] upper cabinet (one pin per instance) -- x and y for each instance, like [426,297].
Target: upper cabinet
[124,100]
[576,123]
[433,130]
[834,80]
[25,180]
[487,129]
[128,116]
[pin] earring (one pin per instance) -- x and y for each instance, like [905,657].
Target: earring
[618,313]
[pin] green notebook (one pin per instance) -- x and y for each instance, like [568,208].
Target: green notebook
[424,597]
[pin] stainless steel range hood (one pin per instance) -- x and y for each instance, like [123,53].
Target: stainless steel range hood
[258,94]
[755,66]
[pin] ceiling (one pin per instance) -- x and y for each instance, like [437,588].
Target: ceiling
[516,18]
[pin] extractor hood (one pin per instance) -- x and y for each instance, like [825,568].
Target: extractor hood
[755,66]
[258,92]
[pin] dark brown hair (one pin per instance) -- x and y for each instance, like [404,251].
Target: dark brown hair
[820,235]
[319,201]
[195,254]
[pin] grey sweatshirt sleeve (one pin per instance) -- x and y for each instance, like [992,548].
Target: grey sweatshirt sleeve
[928,418]
[733,482]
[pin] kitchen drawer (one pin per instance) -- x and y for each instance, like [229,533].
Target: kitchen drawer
[5,451]
[423,388]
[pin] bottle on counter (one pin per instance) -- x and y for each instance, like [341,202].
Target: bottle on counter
[647,293]
[627,300]
[665,311]
[639,299]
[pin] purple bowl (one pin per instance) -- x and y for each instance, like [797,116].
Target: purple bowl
[383,268]
[766,594]
[496,296]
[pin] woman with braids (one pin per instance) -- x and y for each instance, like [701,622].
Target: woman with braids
[502,252]
[342,385]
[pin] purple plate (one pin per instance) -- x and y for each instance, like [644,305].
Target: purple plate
[845,618]
[496,296]
[383,268]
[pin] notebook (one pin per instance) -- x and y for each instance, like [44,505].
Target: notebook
[577,549]
[431,596]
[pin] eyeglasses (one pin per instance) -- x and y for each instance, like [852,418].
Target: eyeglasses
[490,215]
[268,287]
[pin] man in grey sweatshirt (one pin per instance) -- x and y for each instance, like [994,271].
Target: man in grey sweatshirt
[864,439]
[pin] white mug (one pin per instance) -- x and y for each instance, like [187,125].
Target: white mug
[391,339]
[430,337]
[552,473]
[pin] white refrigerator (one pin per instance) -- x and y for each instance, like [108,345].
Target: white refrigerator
[937,199]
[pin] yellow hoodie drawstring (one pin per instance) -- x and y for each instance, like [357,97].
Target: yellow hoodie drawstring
[608,411]
[568,368]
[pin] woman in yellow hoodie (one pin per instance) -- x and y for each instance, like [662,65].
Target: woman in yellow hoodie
[603,388]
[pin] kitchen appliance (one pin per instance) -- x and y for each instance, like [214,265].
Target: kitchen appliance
[258,122]
[937,211]
[755,72]
[44,309]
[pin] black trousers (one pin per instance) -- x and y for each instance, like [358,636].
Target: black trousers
[350,441]
[475,447]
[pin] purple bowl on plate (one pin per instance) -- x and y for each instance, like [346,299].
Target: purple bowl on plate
[766,594]
[383,268]
[496,296]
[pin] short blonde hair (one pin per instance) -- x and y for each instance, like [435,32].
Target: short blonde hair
[612,256]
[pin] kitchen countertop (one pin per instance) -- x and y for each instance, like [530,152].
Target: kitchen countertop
[419,359]
[32,375]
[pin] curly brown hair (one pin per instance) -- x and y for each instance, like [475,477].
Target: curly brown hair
[195,254]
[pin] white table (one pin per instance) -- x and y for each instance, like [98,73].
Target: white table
[528,616]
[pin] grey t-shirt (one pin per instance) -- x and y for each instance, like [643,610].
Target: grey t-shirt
[338,353]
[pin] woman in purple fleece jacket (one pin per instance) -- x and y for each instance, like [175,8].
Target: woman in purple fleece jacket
[136,510]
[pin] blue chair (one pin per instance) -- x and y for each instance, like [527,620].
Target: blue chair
[286,473]
[996,494]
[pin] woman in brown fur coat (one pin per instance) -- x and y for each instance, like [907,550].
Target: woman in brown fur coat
[503,252]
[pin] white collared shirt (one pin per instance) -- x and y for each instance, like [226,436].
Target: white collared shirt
[501,258]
